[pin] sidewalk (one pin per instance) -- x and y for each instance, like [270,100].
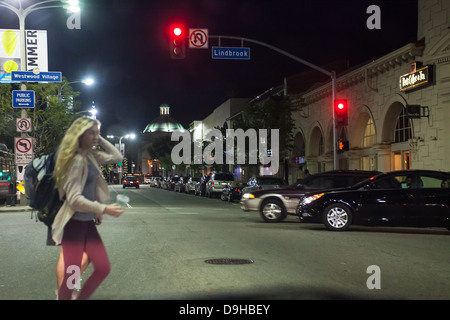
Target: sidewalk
[16,208]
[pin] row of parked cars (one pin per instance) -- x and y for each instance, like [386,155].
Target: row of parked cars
[339,199]
[220,184]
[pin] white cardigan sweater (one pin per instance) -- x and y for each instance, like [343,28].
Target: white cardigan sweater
[74,183]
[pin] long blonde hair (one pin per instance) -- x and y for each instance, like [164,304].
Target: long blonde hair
[69,147]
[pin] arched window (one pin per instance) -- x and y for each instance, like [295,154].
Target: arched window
[369,134]
[321,146]
[403,130]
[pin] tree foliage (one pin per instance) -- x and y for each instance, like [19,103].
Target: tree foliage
[161,149]
[273,113]
[55,109]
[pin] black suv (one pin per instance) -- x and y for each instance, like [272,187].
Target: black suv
[274,205]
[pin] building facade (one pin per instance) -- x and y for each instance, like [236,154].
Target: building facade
[383,132]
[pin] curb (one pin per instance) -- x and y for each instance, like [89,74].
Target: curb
[15,208]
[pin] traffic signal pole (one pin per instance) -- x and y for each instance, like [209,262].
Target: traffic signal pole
[331,74]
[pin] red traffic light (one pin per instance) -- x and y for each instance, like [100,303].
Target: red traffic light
[177,31]
[340,105]
[177,42]
[341,112]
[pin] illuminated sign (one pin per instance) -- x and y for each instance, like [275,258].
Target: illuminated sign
[418,79]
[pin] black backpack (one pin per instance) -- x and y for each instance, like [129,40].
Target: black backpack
[40,188]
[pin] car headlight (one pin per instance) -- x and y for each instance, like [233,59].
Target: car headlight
[248,196]
[312,198]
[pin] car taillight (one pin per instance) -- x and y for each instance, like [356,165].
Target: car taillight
[212,183]
[259,188]
[239,190]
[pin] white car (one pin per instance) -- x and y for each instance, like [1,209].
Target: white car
[215,184]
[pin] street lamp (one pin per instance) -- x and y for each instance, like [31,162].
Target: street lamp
[22,13]
[87,81]
[128,136]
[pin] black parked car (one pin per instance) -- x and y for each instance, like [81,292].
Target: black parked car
[231,192]
[414,198]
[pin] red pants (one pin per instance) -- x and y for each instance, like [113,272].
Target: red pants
[79,237]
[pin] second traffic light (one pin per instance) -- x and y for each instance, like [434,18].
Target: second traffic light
[177,42]
[341,112]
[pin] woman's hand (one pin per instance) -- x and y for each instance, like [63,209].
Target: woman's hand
[114,210]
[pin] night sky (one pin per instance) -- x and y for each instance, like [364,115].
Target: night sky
[124,45]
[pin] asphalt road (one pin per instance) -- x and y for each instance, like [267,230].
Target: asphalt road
[159,246]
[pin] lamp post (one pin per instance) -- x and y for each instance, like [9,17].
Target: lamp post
[87,81]
[127,136]
[22,13]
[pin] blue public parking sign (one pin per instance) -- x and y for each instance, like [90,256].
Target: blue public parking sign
[23,99]
[236,53]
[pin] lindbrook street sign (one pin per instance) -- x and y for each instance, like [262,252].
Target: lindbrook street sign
[236,53]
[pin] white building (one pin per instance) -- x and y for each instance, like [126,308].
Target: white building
[381,136]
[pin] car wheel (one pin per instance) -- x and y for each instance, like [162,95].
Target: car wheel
[124,187]
[337,217]
[137,187]
[222,197]
[272,210]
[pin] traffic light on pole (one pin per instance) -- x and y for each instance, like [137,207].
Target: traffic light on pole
[177,42]
[341,112]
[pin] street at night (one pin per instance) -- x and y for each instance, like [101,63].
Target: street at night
[325,121]
[159,247]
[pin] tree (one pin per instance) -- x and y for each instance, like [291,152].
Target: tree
[7,116]
[54,111]
[272,113]
[161,149]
